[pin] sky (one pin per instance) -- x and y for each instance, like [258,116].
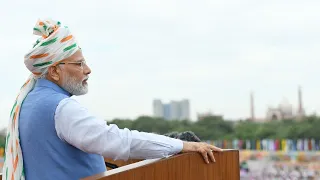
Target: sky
[212,52]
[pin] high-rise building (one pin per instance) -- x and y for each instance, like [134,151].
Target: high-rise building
[175,110]
[185,109]
[166,112]
[157,108]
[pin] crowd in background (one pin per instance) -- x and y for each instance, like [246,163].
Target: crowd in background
[279,171]
[269,144]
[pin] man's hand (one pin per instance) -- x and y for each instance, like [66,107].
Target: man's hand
[203,148]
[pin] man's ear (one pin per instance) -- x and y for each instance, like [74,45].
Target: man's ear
[54,73]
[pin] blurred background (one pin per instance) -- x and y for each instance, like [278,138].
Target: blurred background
[239,74]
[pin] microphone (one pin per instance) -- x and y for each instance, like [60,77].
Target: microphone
[185,136]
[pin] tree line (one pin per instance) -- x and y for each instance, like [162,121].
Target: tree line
[217,128]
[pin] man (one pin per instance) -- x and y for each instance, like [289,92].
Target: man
[52,136]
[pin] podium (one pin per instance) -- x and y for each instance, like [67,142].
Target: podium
[186,166]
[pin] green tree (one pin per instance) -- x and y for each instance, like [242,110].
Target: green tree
[215,127]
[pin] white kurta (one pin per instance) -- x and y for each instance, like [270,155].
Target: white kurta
[76,126]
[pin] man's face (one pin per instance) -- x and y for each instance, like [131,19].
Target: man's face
[74,74]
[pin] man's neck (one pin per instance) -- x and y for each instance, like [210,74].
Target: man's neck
[52,80]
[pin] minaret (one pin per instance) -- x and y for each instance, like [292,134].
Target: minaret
[300,105]
[252,106]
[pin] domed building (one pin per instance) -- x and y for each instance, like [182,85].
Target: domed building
[286,109]
[283,111]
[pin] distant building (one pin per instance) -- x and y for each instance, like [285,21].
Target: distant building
[158,109]
[301,112]
[285,110]
[166,112]
[253,118]
[3,132]
[175,110]
[185,109]
[201,116]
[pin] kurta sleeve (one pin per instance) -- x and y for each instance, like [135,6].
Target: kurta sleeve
[76,126]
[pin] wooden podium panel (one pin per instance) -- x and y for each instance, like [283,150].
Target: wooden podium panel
[188,166]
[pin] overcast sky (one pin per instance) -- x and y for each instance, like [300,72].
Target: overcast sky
[213,52]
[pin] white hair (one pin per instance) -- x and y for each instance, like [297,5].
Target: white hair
[43,74]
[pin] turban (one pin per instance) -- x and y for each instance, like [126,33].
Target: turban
[55,44]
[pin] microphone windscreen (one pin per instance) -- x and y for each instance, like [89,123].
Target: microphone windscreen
[189,136]
[185,136]
[172,135]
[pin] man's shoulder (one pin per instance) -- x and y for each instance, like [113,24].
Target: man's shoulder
[45,97]
[69,104]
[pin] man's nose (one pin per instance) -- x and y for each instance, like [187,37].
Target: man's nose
[86,69]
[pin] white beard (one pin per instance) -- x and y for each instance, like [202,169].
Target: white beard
[74,86]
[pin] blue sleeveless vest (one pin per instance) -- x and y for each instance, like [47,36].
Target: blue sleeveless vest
[45,155]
